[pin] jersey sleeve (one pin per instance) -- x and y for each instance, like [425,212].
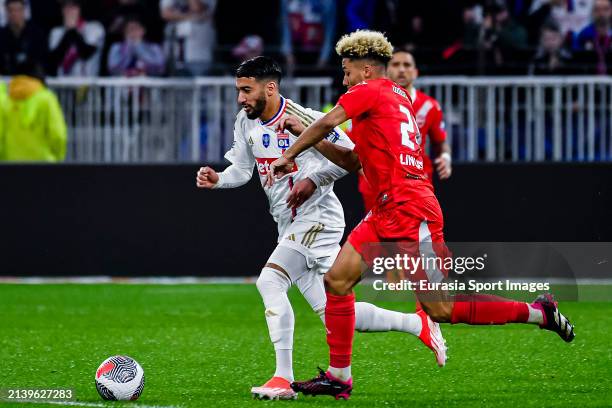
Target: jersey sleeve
[437,132]
[359,99]
[327,174]
[240,154]
[242,159]
[337,135]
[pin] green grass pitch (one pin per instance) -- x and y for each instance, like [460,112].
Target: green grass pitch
[206,345]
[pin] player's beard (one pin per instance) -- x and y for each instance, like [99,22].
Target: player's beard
[257,110]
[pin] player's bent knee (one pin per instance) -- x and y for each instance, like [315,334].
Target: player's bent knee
[439,312]
[272,279]
[338,285]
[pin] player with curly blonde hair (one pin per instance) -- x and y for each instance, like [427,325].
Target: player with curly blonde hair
[406,217]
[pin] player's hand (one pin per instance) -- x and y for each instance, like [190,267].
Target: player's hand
[292,124]
[206,178]
[301,191]
[279,168]
[443,166]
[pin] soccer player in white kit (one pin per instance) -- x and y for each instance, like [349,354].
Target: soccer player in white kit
[309,216]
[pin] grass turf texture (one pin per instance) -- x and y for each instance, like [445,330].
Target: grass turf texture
[206,345]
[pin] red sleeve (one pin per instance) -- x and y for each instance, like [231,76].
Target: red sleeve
[437,131]
[359,99]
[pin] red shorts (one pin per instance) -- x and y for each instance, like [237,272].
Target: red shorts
[414,228]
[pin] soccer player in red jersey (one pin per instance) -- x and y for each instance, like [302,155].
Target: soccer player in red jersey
[429,118]
[388,147]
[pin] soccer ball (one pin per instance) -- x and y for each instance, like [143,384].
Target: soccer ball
[120,378]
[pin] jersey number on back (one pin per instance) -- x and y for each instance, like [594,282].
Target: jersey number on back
[408,130]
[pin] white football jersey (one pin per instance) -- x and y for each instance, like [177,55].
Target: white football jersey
[258,143]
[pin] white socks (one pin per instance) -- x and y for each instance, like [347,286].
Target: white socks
[273,286]
[343,374]
[284,364]
[370,318]
[535,315]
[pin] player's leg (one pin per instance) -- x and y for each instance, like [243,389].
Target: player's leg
[273,284]
[344,274]
[307,267]
[340,325]
[469,308]
[369,318]
[339,308]
[483,309]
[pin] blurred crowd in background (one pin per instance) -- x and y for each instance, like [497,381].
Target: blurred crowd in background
[209,37]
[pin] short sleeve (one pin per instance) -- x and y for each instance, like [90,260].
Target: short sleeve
[359,99]
[240,154]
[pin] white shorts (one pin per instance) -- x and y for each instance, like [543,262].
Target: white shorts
[318,244]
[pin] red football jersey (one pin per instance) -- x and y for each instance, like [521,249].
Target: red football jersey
[387,139]
[430,121]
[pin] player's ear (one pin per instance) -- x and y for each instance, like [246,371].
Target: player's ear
[271,87]
[367,71]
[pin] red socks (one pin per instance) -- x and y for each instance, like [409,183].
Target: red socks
[488,309]
[340,325]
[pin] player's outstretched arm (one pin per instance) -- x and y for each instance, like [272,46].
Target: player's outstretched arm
[310,137]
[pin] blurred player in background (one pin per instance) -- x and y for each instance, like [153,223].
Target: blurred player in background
[406,215]
[309,216]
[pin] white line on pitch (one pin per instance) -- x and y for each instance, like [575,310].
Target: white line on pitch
[90,404]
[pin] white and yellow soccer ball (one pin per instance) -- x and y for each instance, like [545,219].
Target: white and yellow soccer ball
[120,378]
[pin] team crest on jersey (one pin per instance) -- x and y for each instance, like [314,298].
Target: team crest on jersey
[265,140]
[283,140]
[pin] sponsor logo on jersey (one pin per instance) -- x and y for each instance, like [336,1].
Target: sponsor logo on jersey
[263,165]
[400,91]
[408,160]
[265,140]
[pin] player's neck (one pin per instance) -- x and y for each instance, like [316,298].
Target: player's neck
[272,107]
[411,91]
[374,76]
